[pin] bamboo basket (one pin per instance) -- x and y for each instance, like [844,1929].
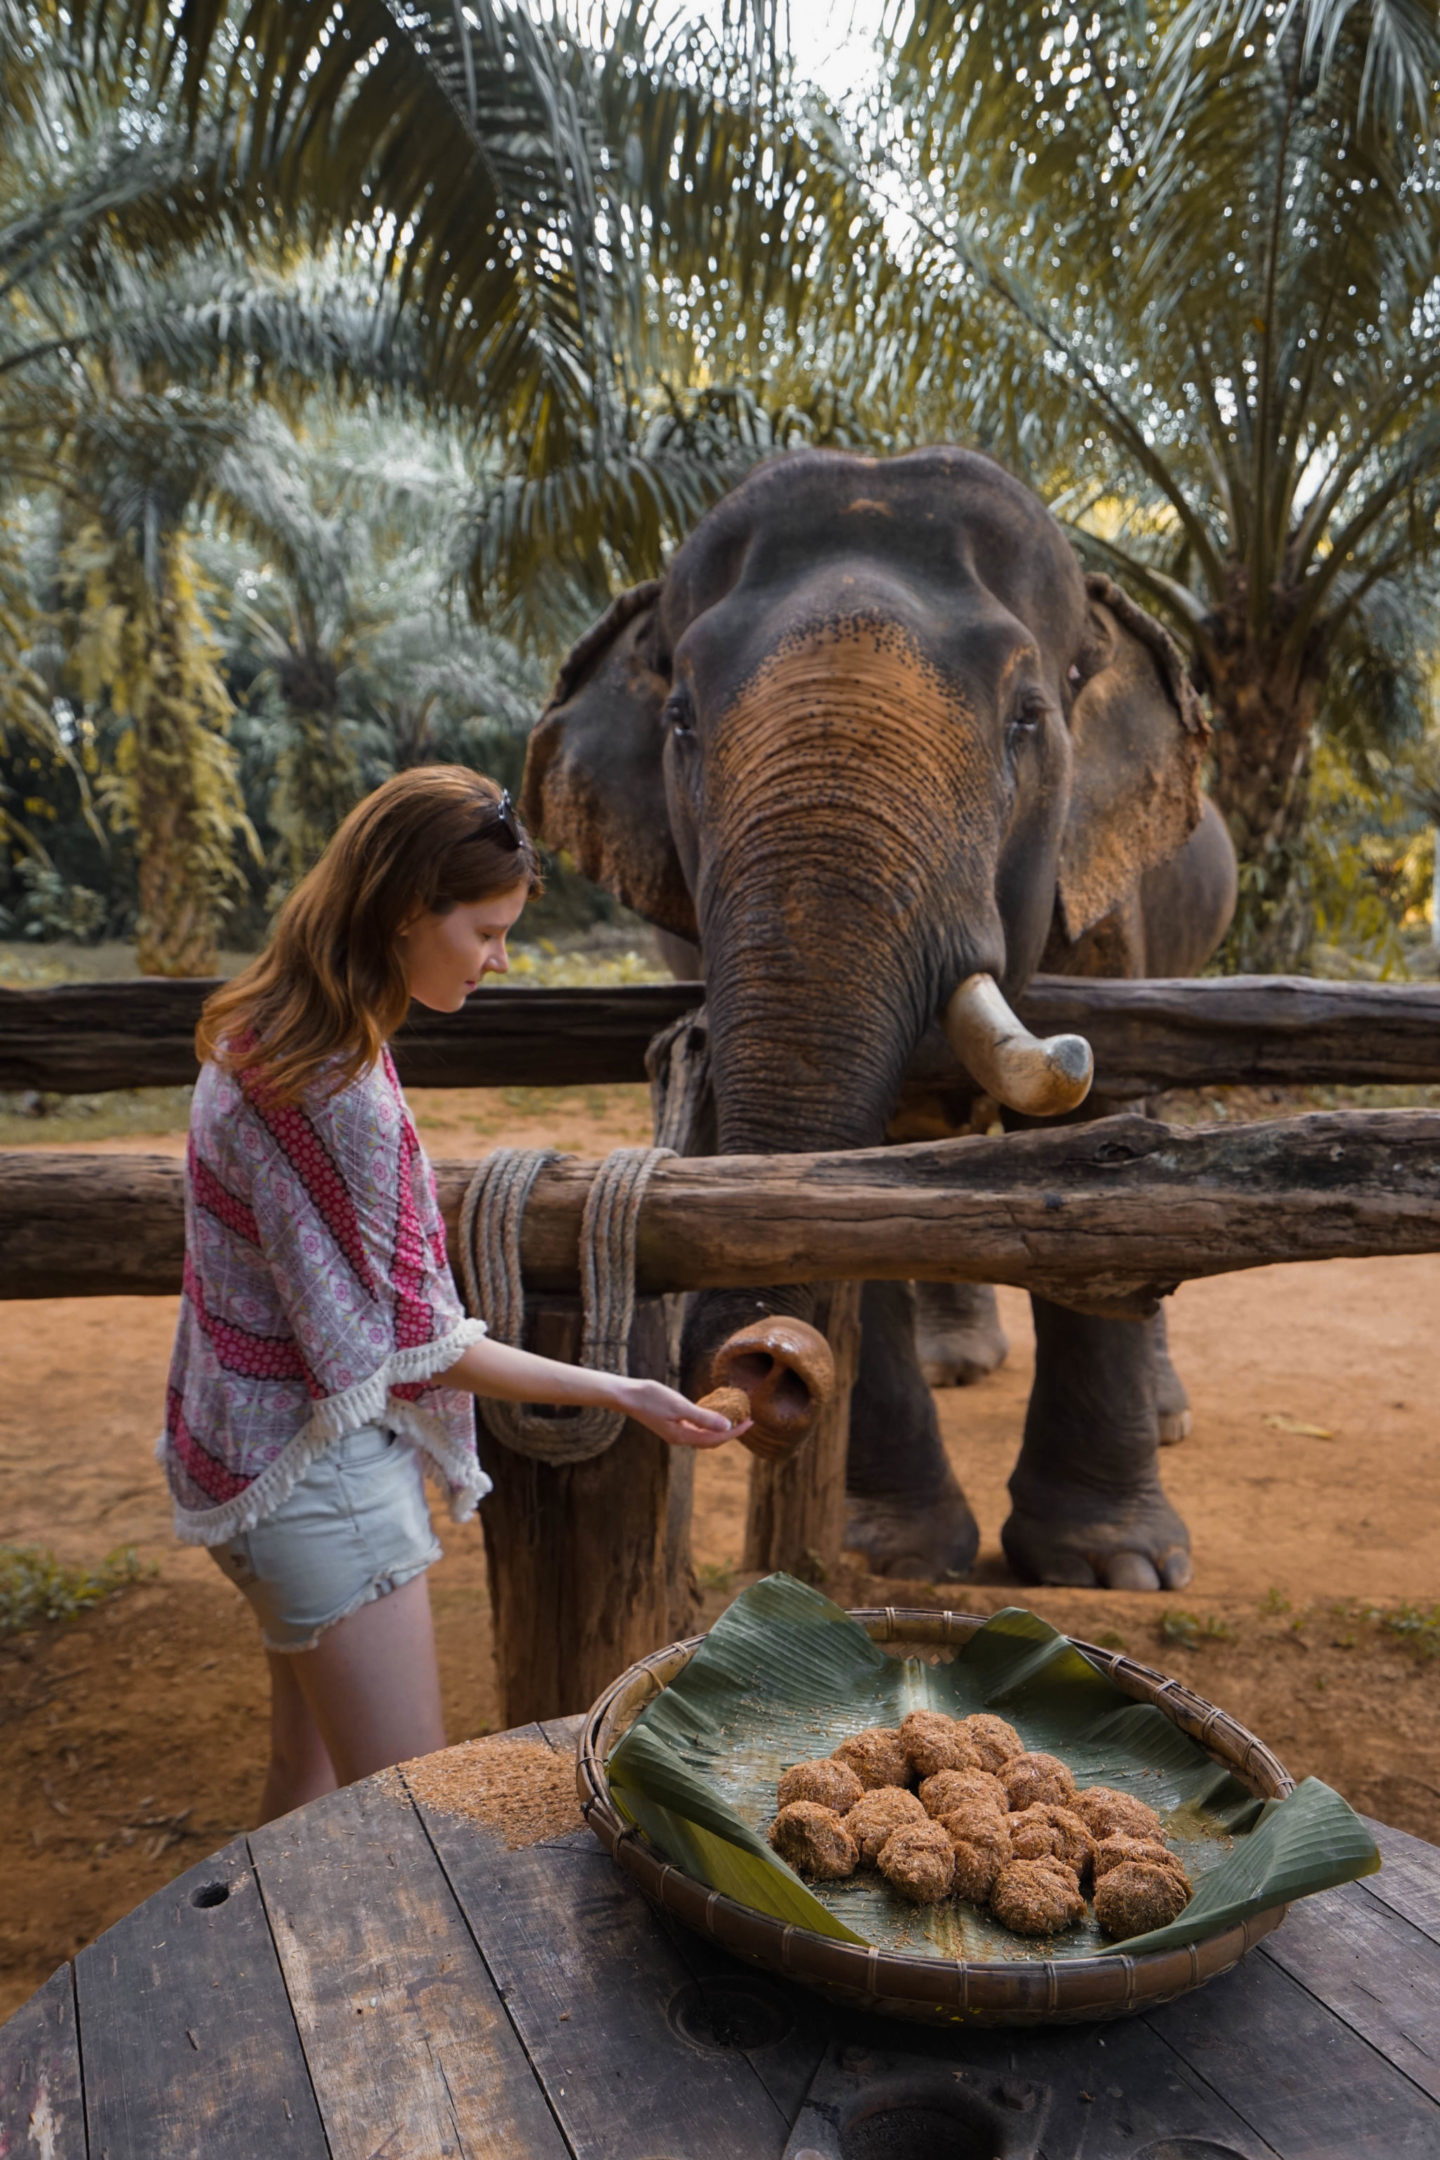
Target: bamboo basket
[930,1990]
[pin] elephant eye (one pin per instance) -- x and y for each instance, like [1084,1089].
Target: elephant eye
[1031,710]
[679,713]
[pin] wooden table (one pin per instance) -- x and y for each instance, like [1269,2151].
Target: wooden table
[371,1980]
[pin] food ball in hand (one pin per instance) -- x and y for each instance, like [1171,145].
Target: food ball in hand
[814,1841]
[1107,1813]
[833,1784]
[877,1815]
[1036,1897]
[992,1739]
[1028,1778]
[877,1756]
[1139,1895]
[935,1742]
[919,1862]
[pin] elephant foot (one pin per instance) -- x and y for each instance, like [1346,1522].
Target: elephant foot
[926,1540]
[1175,1425]
[1138,1543]
[958,1336]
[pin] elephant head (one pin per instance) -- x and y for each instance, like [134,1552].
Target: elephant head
[872,735]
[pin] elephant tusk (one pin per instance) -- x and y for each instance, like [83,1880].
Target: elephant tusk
[1041,1079]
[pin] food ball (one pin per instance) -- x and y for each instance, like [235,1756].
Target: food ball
[1107,1813]
[731,1402]
[833,1784]
[877,1756]
[919,1861]
[935,1742]
[1139,1895]
[1045,1828]
[992,1739]
[877,1815]
[1036,1897]
[968,1785]
[1111,1852]
[981,1845]
[814,1841]
[1028,1778]
[956,1788]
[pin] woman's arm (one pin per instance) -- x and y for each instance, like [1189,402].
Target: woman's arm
[492,1368]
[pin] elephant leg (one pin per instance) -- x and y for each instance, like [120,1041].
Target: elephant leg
[1171,1401]
[1087,1504]
[958,1336]
[906,1513]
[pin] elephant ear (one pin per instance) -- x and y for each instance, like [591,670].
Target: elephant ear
[1139,740]
[594,781]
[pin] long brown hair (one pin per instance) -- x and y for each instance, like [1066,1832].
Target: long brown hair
[330,988]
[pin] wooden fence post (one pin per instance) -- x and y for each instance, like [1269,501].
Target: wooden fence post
[589,1562]
[796,1514]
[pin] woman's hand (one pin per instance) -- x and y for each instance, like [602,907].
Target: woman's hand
[675,1419]
[495,1369]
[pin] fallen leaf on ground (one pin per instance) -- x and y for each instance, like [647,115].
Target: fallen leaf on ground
[1279,1422]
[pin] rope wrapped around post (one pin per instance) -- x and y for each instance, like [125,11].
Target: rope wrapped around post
[490,1223]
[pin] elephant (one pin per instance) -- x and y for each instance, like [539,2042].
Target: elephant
[880,750]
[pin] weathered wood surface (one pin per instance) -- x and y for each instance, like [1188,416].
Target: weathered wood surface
[588,1562]
[595,1990]
[1106,1216]
[80,1037]
[1374,1969]
[434,1974]
[1271,1030]
[409,2046]
[795,1510]
[188,2040]
[41,2106]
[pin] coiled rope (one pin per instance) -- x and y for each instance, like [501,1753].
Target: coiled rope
[491,1218]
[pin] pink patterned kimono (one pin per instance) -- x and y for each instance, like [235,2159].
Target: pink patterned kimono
[318,1299]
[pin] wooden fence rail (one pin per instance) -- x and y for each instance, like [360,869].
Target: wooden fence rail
[1106,1216]
[1265,1030]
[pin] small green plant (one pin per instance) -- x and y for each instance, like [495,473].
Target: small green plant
[1415,1625]
[716,1575]
[1111,1641]
[35,1586]
[1189,1630]
[1274,1601]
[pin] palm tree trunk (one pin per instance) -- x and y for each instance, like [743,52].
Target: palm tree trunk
[180,791]
[1264,710]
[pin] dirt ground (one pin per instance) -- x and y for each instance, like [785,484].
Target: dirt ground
[132,1740]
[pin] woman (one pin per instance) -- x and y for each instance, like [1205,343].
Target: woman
[322,1354]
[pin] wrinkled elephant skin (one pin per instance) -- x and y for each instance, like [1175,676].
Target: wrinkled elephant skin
[875,741]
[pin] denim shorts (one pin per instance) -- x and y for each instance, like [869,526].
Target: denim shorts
[353,1527]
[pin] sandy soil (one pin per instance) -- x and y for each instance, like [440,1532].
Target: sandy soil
[132,1740]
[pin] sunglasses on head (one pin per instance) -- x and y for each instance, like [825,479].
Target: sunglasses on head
[499,817]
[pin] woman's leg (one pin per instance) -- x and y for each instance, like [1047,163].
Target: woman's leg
[371,1685]
[300,1766]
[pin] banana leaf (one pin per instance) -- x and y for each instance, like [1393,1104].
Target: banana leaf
[785,1675]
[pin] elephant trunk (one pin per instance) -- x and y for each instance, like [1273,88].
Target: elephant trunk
[842,803]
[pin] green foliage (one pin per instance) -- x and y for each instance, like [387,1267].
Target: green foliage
[1417,1626]
[53,908]
[35,1586]
[1189,1630]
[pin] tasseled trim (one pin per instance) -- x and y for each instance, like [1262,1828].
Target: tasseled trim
[369,1402]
